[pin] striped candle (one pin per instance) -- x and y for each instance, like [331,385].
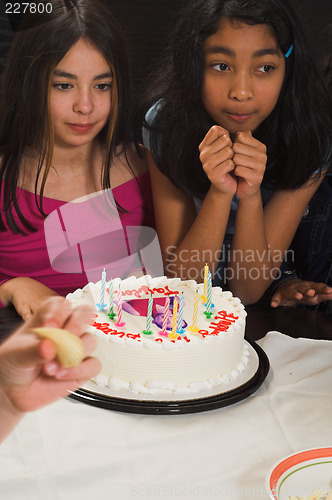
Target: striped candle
[208,304]
[180,318]
[102,304]
[194,327]
[120,322]
[173,333]
[205,285]
[165,318]
[147,330]
[111,313]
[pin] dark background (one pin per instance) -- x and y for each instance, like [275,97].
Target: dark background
[147,24]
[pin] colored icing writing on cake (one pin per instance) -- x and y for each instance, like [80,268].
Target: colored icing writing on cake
[145,290]
[225,320]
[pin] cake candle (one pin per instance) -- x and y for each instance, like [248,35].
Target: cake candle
[194,327]
[101,306]
[165,318]
[111,313]
[148,330]
[173,334]
[120,322]
[205,285]
[180,318]
[208,304]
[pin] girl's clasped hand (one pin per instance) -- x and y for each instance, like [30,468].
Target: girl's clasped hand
[233,167]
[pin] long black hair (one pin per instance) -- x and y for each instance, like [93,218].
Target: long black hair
[297,132]
[40,44]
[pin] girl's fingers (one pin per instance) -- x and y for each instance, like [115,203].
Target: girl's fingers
[223,164]
[53,367]
[249,163]
[213,134]
[89,368]
[249,156]
[246,138]
[212,152]
[308,292]
[322,288]
[89,343]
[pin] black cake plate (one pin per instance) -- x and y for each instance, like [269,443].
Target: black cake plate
[194,403]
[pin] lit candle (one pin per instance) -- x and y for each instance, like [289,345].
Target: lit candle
[120,322]
[194,327]
[111,313]
[205,285]
[165,318]
[101,306]
[180,318]
[173,333]
[148,330]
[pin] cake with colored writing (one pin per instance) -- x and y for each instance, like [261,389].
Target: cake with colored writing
[158,335]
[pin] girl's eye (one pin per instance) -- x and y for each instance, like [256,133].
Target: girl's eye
[104,86]
[62,86]
[220,67]
[267,68]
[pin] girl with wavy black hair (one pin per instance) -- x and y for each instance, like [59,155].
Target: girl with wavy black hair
[240,139]
[65,132]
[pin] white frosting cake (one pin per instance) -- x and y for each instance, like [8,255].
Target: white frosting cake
[178,359]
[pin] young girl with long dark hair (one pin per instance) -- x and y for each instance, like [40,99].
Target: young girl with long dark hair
[64,133]
[240,140]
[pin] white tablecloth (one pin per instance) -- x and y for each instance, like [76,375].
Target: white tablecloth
[72,451]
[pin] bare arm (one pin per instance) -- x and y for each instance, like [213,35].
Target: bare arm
[187,239]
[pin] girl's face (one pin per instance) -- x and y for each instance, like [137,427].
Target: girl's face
[80,98]
[243,75]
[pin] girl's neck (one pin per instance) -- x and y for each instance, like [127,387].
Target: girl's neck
[75,159]
[74,172]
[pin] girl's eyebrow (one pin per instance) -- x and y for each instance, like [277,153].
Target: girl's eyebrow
[64,74]
[220,49]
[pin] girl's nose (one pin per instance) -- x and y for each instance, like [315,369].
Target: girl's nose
[241,88]
[83,103]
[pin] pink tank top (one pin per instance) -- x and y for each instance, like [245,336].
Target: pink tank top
[27,256]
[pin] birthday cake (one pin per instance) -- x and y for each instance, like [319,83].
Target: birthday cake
[158,335]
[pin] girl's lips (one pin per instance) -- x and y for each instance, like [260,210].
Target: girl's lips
[81,128]
[239,118]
